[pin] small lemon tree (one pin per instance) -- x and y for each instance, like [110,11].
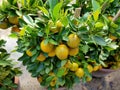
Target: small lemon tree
[59,46]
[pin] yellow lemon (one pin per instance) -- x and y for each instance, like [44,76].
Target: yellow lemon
[52,53]
[40,79]
[58,25]
[73,41]
[88,79]
[74,67]
[62,51]
[3,25]
[73,51]
[95,68]
[46,47]
[41,57]
[53,82]
[68,64]
[90,68]
[29,53]
[79,72]
[13,20]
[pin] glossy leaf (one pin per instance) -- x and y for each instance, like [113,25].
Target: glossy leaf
[56,10]
[28,19]
[44,10]
[60,72]
[99,40]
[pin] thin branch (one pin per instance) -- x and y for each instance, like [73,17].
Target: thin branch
[77,12]
[116,16]
[104,5]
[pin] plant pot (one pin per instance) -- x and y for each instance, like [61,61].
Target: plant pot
[16,81]
[102,72]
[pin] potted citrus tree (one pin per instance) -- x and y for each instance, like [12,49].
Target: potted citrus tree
[61,46]
[8,72]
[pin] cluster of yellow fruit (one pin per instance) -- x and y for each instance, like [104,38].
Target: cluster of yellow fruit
[74,67]
[62,52]
[14,20]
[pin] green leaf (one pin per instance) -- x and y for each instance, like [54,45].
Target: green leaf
[40,68]
[99,40]
[102,63]
[56,10]
[96,9]
[44,10]
[52,4]
[48,80]
[96,14]
[64,21]
[34,57]
[23,57]
[47,30]
[99,25]
[31,67]
[63,62]
[61,72]
[103,55]
[85,48]
[47,70]
[53,42]
[95,5]
[111,46]
[5,63]
[61,81]
[28,19]
[13,35]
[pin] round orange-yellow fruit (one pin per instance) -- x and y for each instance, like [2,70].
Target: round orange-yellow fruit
[95,68]
[74,66]
[88,79]
[79,72]
[41,57]
[13,20]
[100,67]
[112,37]
[68,64]
[73,41]
[15,29]
[58,25]
[40,79]
[52,53]
[73,51]
[54,29]
[52,74]
[3,25]
[29,53]
[53,82]
[66,72]
[62,51]
[46,47]
[90,68]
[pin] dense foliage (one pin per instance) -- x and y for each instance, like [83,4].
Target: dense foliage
[59,46]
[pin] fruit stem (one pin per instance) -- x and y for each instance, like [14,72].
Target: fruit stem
[116,16]
[77,12]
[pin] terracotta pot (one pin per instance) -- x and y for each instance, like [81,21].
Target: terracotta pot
[102,72]
[16,81]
